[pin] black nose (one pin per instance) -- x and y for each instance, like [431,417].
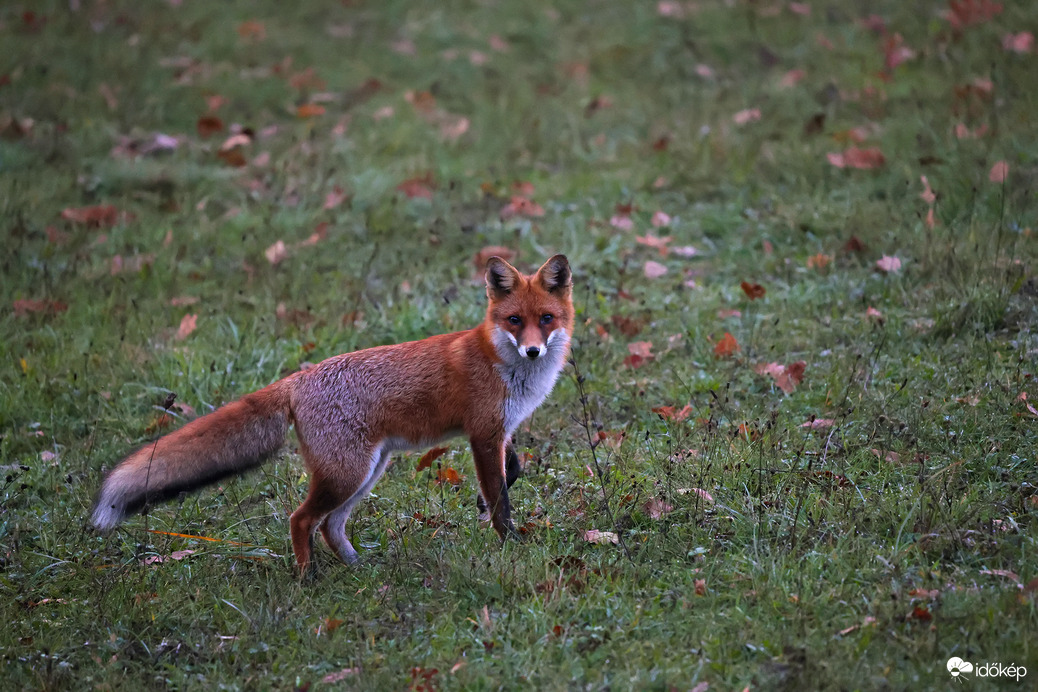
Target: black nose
[533,352]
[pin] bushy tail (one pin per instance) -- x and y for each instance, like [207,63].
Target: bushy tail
[233,439]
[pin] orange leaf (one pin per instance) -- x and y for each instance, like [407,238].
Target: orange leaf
[752,291]
[672,413]
[99,216]
[429,457]
[726,347]
[252,29]
[310,110]
[187,325]
[448,475]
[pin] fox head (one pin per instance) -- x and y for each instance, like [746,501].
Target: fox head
[531,317]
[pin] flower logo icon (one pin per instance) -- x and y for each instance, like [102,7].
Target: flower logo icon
[956,666]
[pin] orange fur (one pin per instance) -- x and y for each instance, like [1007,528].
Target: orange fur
[353,410]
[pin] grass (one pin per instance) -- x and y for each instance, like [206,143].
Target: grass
[859,555]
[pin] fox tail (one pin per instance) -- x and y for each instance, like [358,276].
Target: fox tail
[231,440]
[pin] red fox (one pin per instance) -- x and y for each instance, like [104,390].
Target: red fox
[353,410]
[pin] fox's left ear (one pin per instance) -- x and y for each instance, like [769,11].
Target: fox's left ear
[555,275]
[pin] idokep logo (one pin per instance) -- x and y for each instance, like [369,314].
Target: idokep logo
[961,670]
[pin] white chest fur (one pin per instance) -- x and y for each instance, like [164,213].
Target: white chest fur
[528,382]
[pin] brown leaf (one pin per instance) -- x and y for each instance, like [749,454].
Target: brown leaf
[700,587]
[208,125]
[418,187]
[752,291]
[819,423]
[51,307]
[98,216]
[429,457]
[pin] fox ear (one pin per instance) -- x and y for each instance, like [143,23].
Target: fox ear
[555,275]
[502,278]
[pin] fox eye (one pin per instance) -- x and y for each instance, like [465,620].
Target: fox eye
[546,319]
[514,319]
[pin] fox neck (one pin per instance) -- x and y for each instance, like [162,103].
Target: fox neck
[528,382]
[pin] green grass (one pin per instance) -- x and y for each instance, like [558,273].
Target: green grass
[823,562]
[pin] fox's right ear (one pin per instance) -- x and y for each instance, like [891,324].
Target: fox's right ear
[502,278]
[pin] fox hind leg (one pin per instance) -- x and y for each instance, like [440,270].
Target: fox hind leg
[334,526]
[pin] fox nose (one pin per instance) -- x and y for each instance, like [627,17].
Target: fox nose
[532,352]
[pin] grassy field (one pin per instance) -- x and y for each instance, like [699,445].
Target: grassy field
[802,399]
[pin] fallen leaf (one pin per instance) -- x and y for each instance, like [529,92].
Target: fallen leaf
[187,325]
[875,315]
[927,195]
[521,206]
[854,157]
[892,457]
[654,270]
[429,457]
[791,78]
[448,475]
[726,347]
[752,291]
[98,216]
[655,242]
[698,492]
[276,253]
[252,29]
[700,587]
[748,115]
[1022,42]
[819,423]
[888,264]
[159,559]
[600,537]
[310,110]
[335,198]
[964,13]
[340,675]
[660,219]
[819,261]
[208,125]
[1005,573]
[418,187]
[621,222]
[673,413]
[25,306]
[999,172]
[895,51]
[657,508]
